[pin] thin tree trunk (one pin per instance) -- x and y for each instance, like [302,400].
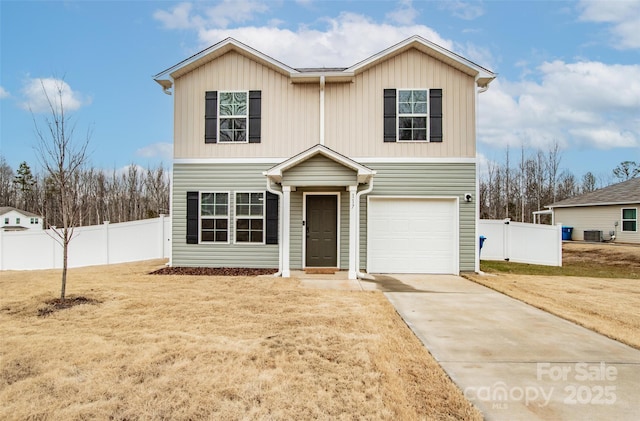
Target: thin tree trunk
[65,249]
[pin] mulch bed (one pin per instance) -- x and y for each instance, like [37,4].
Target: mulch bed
[57,304]
[199,271]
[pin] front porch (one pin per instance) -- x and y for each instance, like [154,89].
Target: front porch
[320,194]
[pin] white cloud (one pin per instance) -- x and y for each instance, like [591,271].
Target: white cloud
[339,41]
[346,40]
[466,10]
[4,93]
[183,16]
[161,150]
[575,104]
[624,16]
[178,17]
[405,14]
[39,92]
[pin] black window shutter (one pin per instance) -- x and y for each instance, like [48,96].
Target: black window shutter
[211,117]
[193,198]
[390,115]
[254,116]
[435,115]
[272,218]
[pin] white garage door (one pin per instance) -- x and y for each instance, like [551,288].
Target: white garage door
[412,235]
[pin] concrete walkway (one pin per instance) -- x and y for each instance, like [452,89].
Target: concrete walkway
[513,361]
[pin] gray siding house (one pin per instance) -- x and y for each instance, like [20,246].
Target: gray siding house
[612,209]
[368,168]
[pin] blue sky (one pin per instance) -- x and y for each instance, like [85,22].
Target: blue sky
[568,71]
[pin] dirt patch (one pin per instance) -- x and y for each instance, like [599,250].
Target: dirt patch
[56,304]
[602,254]
[200,271]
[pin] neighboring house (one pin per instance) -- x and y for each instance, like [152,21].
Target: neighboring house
[12,219]
[370,167]
[614,208]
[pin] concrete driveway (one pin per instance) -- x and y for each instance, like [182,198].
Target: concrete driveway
[513,361]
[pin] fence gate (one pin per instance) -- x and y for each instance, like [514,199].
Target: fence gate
[520,242]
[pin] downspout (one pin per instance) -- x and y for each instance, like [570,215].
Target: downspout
[359,274]
[281,221]
[476,240]
[322,110]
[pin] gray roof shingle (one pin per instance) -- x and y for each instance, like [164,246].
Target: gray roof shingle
[627,192]
[6,209]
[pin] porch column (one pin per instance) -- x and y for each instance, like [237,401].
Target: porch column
[286,235]
[353,232]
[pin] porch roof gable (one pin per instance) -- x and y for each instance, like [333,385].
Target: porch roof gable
[363,173]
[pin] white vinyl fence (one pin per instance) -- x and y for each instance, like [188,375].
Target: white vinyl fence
[522,243]
[92,245]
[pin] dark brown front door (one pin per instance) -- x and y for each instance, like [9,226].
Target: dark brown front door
[322,231]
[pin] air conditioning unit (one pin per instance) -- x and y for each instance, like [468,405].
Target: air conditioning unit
[593,235]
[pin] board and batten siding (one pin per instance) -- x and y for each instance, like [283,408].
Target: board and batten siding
[354,111]
[319,171]
[217,178]
[599,218]
[409,179]
[290,112]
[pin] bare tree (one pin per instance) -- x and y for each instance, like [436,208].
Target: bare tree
[627,170]
[62,158]
[7,188]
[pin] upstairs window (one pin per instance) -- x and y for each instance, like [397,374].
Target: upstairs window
[6,220]
[412,115]
[17,220]
[232,117]
[630,219]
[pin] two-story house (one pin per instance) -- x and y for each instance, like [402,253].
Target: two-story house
[366,168]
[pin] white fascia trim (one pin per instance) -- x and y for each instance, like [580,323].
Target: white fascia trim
[481,72]
[272,161]
[415,160]
[595,204]
[222,45]
[372,160]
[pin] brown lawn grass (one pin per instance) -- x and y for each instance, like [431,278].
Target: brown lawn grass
[194,347]
[610,306]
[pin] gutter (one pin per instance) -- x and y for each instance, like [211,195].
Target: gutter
[361,275]
[322,81]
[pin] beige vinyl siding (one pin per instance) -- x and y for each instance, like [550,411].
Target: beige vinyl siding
[319,171]
[354,111]
[599,218]
[290,118]
[290,112]
[427,180]
[217,178]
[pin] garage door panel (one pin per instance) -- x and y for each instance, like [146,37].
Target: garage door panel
[413,235]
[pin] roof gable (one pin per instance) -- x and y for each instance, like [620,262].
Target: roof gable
[482,75]
[363,173]
[313,75]
[6,209]
[627,192]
